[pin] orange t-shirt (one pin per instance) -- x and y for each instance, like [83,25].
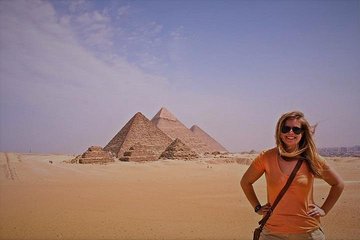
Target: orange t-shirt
[289,215]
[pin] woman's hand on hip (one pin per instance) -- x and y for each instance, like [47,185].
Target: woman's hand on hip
[315,211]
[264,209]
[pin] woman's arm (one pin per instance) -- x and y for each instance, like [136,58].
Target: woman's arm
[337,186]
[250,176]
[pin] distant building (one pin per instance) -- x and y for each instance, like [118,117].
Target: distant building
[340,151]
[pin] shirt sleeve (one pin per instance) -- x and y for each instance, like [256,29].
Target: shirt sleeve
[259,162]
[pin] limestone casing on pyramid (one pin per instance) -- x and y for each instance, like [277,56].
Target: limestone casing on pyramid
[139,131]
[178,150]
[213,145]
[164,114]
[170,125]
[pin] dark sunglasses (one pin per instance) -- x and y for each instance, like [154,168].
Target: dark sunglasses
[296,130]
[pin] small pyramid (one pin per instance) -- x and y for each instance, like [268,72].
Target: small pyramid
[178,150]
[172,127]
[213,145]
[139,131]
[94,154]
[139,153]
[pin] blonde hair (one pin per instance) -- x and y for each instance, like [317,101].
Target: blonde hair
[306,147]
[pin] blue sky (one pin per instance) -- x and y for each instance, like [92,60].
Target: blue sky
[72,73]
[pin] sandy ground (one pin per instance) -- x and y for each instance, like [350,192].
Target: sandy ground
[155,200]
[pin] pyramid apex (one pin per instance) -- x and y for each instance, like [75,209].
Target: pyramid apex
[165,114]
[138,113]
[137,117]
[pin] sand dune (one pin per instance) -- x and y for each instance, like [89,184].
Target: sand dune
[167,199]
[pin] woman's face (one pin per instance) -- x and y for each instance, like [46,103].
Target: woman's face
[291,134]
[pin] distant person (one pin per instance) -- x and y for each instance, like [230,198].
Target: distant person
[296,216]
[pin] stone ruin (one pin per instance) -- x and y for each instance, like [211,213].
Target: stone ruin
[178,150]
[94,154]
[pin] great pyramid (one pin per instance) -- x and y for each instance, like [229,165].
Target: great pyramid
[178,150]
[213,145]
[171,126]
[139,135]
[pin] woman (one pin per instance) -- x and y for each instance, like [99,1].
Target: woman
[296,216]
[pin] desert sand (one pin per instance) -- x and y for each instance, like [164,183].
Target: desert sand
[42,197]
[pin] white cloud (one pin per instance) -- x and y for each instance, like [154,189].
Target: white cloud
[93,28]
[107,32]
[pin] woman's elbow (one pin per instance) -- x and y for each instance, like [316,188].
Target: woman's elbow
[244,183]
[341,186]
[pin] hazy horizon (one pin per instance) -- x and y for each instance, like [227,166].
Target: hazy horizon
[72,73]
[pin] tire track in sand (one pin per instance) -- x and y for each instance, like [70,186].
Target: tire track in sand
[10,171]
